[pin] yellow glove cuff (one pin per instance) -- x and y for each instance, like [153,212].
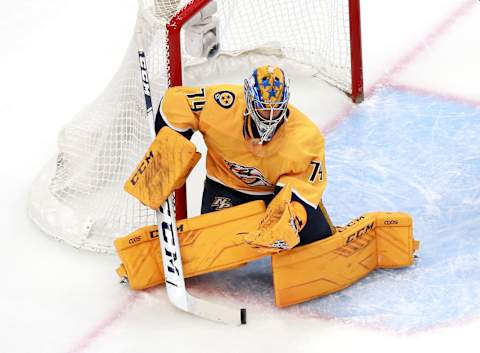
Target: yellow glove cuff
[279,228]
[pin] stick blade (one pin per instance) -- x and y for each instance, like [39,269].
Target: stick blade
[216,312]
[243,316]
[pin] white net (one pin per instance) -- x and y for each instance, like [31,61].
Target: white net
[79,197]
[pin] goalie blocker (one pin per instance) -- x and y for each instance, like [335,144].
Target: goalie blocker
[213,242]
[164,168]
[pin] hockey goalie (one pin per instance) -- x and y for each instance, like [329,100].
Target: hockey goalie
[266,174]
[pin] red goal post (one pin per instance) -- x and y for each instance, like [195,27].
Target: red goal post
[177,22]
[174,57]
[78,197]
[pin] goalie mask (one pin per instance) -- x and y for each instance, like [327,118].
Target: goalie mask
[266,95]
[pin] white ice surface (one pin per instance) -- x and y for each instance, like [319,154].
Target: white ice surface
[55,57]
[450,65]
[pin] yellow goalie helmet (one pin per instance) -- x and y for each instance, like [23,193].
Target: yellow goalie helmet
[266,95]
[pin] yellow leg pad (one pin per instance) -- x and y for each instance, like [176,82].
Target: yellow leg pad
[209,242]
[395,243]
[329,265]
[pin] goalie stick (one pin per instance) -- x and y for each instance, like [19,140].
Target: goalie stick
[169,243]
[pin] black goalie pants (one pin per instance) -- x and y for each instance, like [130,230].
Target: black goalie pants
[217,197]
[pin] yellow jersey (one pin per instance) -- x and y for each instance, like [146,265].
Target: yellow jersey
[295,155]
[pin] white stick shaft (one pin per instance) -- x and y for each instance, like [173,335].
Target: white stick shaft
[171,255]
[169,243]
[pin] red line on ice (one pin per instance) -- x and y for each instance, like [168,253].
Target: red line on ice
[438,31]
[100,328]
[407,59]
[385,81]
[118,313]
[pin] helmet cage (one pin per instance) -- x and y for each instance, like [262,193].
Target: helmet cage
[266,126]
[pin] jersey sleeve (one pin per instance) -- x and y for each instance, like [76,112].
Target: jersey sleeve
[180,108]
[309,180]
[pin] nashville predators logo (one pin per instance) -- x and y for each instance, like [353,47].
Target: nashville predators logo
[224,98]
[249,175]
[219,203]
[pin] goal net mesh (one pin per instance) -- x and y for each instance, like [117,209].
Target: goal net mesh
[79,196]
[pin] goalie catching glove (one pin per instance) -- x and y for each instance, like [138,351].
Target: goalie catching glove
[163,169]
[278,230]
